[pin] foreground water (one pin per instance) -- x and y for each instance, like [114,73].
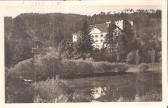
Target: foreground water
[144,86]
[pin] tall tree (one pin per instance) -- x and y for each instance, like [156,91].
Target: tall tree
[111,40]
[8,53]
[128,38]
[57,34]
[21,40]
[85,40]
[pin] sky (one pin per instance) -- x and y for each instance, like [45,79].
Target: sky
[80,7]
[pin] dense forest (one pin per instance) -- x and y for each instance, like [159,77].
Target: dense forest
[52,28]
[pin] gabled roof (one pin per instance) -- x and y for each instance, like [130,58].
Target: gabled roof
[77,33]
[102,27]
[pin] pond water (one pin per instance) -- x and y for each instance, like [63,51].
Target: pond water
[119,88]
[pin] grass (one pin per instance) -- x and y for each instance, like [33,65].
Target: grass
[50,66]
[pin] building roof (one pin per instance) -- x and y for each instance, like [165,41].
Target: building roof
[102,27]
[77,33]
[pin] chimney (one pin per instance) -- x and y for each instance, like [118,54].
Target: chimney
[108,23]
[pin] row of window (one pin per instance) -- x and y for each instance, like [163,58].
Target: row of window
[100,40]
[97,35]
[114,33]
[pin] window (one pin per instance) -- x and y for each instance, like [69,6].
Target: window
[114,33]
[96,36]
[97,46]
[101,40]
[96,40]
[101,35]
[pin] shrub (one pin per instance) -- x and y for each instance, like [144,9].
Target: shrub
[131,57]
[48,66]
[88,67]
[44,67]
[72,67]
[121,67]
[23,69]
[69,67]
[84,67]
[102,67]
[103,56]
[143,67]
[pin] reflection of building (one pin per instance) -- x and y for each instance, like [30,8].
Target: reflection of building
[99,31]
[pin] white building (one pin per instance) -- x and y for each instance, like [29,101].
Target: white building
[99,31]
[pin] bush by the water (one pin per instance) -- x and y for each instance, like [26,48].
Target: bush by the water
[121,67]
[72,67]
[49,67]
[103,67]
[143,67]
[41,69]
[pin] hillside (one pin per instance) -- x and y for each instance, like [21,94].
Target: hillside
[47,26]
[52,28]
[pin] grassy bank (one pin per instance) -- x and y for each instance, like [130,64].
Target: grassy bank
[49,67]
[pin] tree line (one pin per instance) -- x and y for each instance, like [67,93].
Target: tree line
[56,29]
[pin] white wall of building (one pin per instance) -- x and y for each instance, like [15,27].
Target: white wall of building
[98,38]
[74,37]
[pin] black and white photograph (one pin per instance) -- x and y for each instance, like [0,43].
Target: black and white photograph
[84,53]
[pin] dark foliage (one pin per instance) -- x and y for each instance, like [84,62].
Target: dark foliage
[52,28]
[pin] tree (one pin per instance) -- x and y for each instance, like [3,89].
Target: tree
[57,34]
[22,42]
[8,53]
[19,29]
[65,49]
[85,41]
[111,41]
[128,40]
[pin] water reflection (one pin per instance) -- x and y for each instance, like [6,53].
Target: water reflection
[103,94]
[135,87]
[109,94]
[98,92]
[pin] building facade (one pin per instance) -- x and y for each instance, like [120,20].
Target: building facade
[99,32]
